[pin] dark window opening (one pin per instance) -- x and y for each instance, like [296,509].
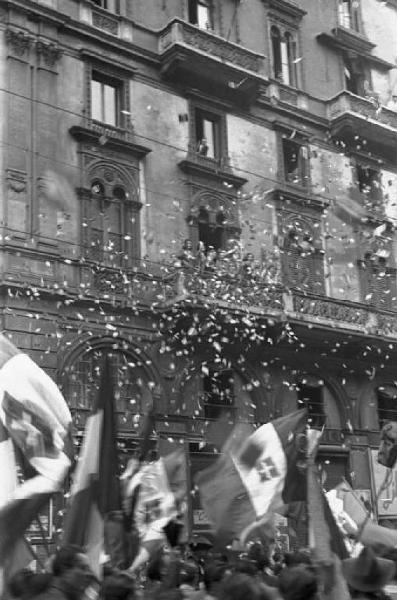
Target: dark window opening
[211,235]
[368,181]
[218,388]
[303,264]
[295,157]
[387,404]
[311,397]
[199,13]
[355,76]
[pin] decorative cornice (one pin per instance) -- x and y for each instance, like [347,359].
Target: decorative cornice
[48,52]
[349,41]
[288,7]
[19,41]
[285,193]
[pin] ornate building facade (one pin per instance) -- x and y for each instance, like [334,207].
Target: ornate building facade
[206,191]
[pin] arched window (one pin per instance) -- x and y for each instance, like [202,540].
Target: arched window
[131,385]
[110,226]
[284,56]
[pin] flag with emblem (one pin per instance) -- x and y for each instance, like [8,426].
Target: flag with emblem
[95,494]
[35,442]
[254,476]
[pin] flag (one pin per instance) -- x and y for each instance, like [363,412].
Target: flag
[35,440]
[254,476]
[160,491]
[95,492]
[325,539]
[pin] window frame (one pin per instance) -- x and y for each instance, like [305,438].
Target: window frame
[203,111]
[288,36]
[303,180]
[104,5]
[353,16]
[103,75]
[129,236]
[193,7]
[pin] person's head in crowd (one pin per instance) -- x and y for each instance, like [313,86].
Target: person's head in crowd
[214,572]
[245,565]
[298,583]
[367,573]
[72,571]
[241,586]
[118,586]
[27,584]
[258,553]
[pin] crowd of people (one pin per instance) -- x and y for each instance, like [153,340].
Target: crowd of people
[198,572]
[229,261]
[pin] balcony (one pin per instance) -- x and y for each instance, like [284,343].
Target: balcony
[351,116]
[203,59]
[211,168]
[258,298]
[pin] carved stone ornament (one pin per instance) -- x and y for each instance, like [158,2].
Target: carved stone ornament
[104,22]
[50,53]
[330,310]
[18,41]
[16,180]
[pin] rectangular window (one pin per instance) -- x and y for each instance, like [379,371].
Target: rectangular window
[105,100]
[200,14]
[207,134]
[295,158]
[348,14]
[369,184]
[110,5]
[312,398]
[356,80]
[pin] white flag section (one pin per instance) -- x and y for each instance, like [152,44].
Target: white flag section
[36,423]
[160,487]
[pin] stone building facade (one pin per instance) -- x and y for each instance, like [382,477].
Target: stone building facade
[208,191]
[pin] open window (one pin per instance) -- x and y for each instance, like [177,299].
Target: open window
[356,75]
[208,141]
[199,12]
[296,162]
[284,56]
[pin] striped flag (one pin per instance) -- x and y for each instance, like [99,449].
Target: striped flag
[254,476]
[95,493]
[161,496]
[35,440]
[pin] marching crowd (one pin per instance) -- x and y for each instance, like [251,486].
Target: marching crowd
[198,572]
